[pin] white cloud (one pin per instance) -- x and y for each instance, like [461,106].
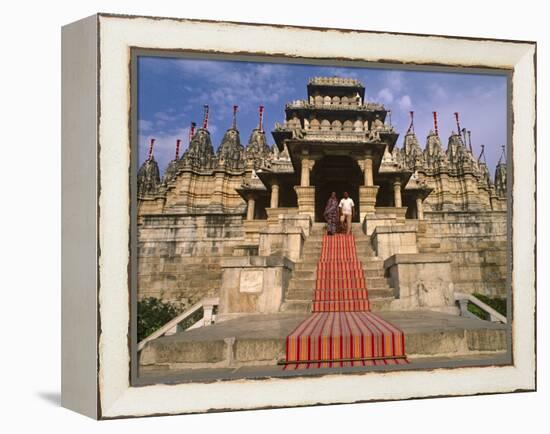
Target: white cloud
[165,145]
[144,125]
[164,116]
[405,102]
[385,95]
[395,80]
[437,92]
[224,85]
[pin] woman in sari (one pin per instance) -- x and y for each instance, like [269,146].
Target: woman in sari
[331,214]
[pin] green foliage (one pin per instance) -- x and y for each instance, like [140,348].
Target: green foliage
[153,313]
[478,311]
[190,320]
[497,303]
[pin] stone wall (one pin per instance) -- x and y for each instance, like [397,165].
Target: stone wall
[456,193]
[215,191]
[476,243]
[179,255]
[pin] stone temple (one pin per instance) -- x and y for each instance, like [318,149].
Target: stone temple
[242,226]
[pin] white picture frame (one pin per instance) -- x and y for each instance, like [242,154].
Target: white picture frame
[96,360]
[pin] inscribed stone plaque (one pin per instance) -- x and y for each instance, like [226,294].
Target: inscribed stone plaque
[252,280]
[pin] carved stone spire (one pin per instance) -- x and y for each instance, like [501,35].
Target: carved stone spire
[257,148]
[483,168]
[172,167]
[231,152]
[200,153]
[501,175]
[433,153]
[148,176]
[412,152]
[455,149]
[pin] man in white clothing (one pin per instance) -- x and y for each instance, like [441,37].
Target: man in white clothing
[347,209]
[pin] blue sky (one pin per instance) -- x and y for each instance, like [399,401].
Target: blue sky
[172,92]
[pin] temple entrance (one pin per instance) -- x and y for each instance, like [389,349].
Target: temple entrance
[339,174]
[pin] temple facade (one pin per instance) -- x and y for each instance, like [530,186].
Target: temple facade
[234,221]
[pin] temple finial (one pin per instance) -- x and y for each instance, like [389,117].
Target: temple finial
[482,155]
[205,119]
[464,136]
[234,123]
[178,142]
[411,125]
[192,131]
[502,155]
[261,125]
[457,123]
[151,145]
[436,130]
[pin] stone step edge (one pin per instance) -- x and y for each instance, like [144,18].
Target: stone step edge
[416,350]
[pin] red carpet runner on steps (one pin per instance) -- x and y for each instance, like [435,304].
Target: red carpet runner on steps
[341,330]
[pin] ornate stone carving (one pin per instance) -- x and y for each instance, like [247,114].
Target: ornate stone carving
[377,124]
[171,171]
[148,177]
[484,175]
[413,156]
[433,153]
[335,81]
[257,149]
[200,153]
[500,179]
[231,152]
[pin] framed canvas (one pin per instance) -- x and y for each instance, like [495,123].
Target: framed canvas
[262,216]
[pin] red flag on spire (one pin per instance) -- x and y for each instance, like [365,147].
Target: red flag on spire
[151,144]
[435,124]
[261,117]
[192,131]
[234,124]
[411,126]
[457,123]
[178,141]
[205,120]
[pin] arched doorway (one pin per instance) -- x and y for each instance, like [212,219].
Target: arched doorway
[339,174]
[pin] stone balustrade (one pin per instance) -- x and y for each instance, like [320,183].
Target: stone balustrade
[339,105]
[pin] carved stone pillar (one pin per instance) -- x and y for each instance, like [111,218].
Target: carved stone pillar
[367,200]
[397,194]
[367,164]
[306,200]
[250,208]
[307,165]
[275,195]
[419,209]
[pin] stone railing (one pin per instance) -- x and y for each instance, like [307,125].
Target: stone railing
[332,135]
[172,326]
[333,106]
[464,299]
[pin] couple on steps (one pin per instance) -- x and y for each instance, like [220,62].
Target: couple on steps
[339,212]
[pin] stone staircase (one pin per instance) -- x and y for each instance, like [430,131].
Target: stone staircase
[299,295]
